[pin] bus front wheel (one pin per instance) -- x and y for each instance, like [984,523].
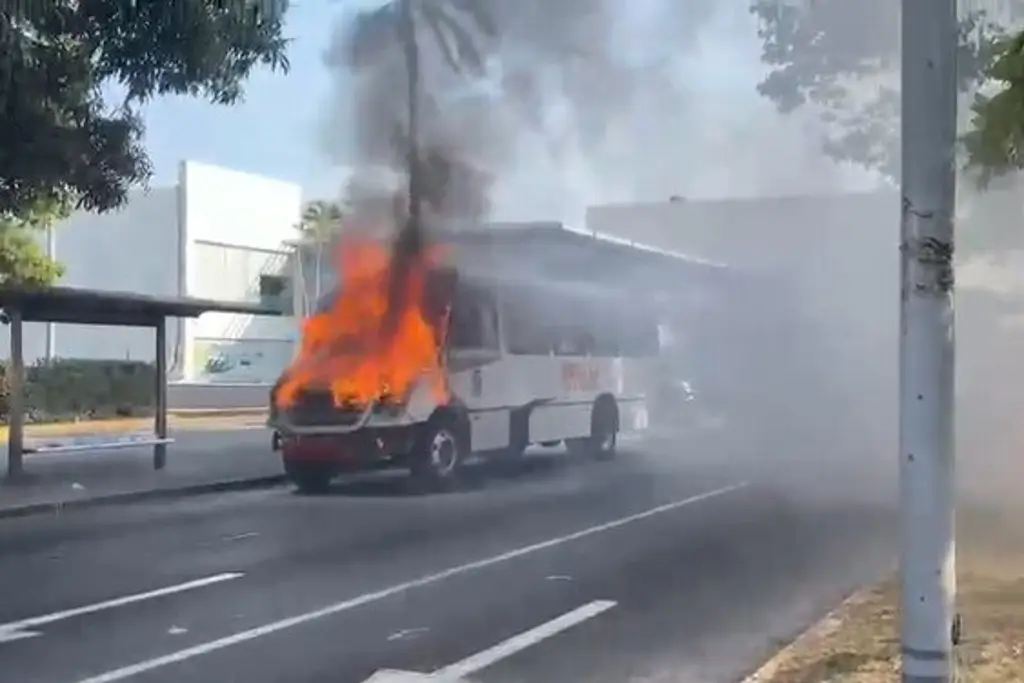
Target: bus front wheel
[310,478]
[439,454]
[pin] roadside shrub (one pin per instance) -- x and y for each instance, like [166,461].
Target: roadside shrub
[82,389]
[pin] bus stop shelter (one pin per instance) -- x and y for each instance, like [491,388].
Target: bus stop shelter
[94,307]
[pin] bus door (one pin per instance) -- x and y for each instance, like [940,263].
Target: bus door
[477,375]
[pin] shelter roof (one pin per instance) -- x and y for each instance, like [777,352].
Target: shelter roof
[100,307]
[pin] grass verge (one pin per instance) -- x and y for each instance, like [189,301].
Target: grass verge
[859,641]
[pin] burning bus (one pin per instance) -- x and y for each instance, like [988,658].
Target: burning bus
[507,350]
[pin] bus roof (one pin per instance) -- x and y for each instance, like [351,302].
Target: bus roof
[553,251]
[520,286]
[554,232]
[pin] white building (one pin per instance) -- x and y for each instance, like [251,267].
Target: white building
[217,234]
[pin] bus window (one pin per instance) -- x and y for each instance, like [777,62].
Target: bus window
[528,340]
[566,346]
[600,336]
[465,329]
[474,321]
[638,338]
[490,339]
[587,344]
[574,342]
[606,342]
[526,333]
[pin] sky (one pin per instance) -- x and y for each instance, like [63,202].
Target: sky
[274,132]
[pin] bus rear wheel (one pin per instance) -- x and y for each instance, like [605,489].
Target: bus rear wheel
[604,433]
[438,456]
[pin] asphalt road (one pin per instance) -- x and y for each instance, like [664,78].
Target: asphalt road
[665,565]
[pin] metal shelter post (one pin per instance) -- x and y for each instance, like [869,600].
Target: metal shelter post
[16,399]
[160,419]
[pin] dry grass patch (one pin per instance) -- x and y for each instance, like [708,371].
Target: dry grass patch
[859,641]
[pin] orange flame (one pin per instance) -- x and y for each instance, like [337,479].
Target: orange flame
[365,347]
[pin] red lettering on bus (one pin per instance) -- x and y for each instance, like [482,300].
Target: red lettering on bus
[580,376]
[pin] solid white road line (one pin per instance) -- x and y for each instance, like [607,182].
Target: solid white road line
[481,660]
[457,672]
[16,630]
[283,624]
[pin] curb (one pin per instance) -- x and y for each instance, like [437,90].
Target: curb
[125,497]
[822,628]
[178,418]
[188,413]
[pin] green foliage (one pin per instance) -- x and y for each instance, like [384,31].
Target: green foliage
[83,389]
[996,139]
[23,260]
[59,139]
[842,58]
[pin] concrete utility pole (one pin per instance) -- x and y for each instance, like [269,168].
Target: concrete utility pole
[929,34]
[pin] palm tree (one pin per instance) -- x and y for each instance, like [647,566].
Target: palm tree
[320,222]
[452,24]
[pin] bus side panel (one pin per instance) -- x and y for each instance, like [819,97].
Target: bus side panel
[633,415]
[569,386]
[637,377]
[535,380]
[558,421]
[490,428]
[479,381]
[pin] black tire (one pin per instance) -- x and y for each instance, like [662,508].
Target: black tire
[310,479]
[439,455]
[516,449]
[604,433]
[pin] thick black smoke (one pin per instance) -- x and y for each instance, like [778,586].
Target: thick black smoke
[567,83]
